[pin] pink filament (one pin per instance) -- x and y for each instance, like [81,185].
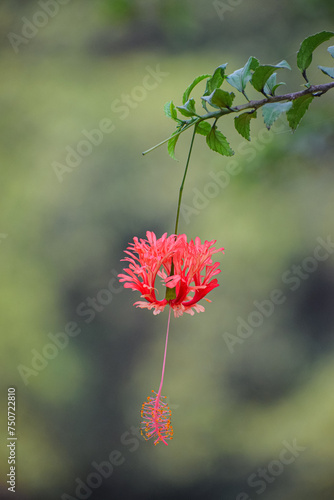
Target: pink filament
[155,412]
[164,362]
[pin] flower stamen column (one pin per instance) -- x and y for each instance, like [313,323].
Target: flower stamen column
[187,269]
[155,411]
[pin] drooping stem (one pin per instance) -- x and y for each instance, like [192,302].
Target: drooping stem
[164,361]
[171,292]
[183,180]
[187,125]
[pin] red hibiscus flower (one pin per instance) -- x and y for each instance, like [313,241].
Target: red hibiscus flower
[185,268]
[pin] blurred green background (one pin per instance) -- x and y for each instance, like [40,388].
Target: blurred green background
[236,407]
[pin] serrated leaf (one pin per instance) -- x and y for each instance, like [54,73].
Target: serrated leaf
[203,128]
[170,110]
[216,80]
[242,124]
[304,55]
[191,86]
[171,145]
[271,85]
[331,50]
[220,98]
[188,109]
[239,78]
[273,110]
[327,71]
[298,110]
[263,72]
[218,142]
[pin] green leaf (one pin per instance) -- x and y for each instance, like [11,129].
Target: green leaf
[188,109]
[327,71]
[191,86]
[271,85]
[203,128]
[218,142]
[263,72]
[273,110]
[242,124]
[298,110]
[216,80]
[304,55]
[172,143]
[170,110]
[220,98]
[239,78]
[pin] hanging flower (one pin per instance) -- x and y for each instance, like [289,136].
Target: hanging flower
[185,268]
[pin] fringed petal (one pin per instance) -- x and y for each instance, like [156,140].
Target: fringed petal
[192,266]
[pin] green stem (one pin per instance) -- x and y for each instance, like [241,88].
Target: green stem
[184,128]
[316,90]
[183,180]
[171,292]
